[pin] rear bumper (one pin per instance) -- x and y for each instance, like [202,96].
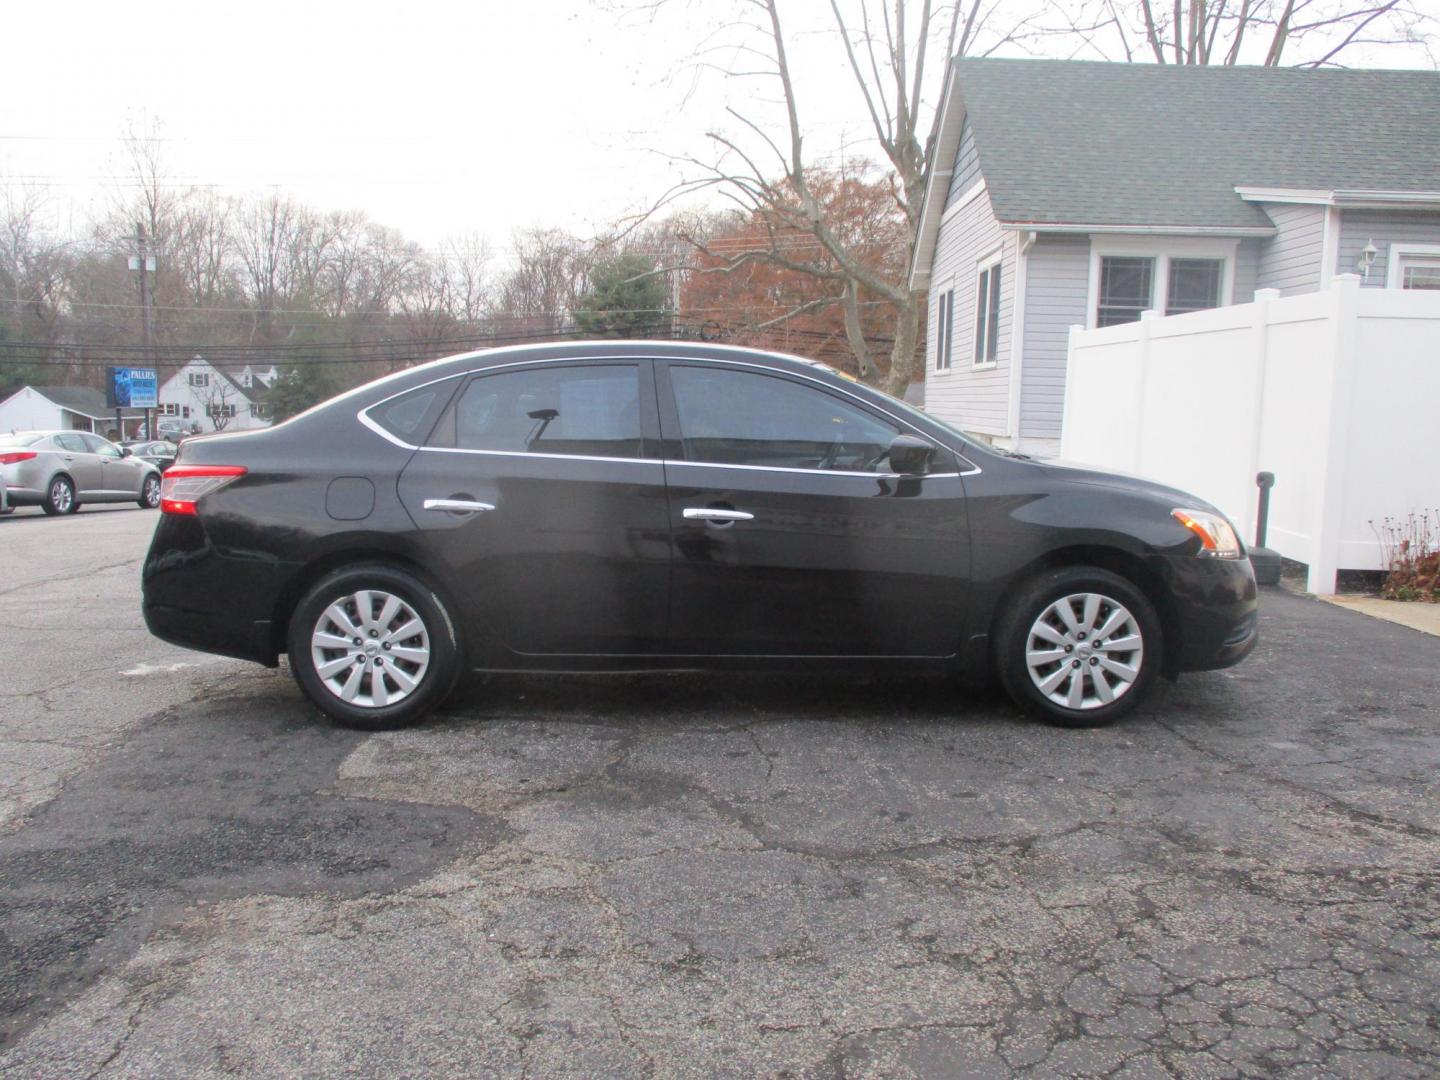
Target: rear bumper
[23,496]
[200,596]
[207,632]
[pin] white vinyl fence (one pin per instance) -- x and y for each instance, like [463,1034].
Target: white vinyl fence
[1336,392]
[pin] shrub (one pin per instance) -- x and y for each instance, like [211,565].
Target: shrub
[1412,556]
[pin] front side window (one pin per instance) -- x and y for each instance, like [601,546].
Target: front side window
[97,445]
[591,411]
[944,328]
[1194,285]
[987,315]
[1126,289]
[743,418]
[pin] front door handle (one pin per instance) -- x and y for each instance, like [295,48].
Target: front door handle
[707,514]
[456,506]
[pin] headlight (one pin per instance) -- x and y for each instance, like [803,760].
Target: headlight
[1217,538]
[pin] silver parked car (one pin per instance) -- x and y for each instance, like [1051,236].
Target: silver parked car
[59,470]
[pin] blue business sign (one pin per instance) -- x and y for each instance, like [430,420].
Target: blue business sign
[132,388]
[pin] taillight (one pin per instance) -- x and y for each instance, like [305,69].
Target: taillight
[183,486]
[14,457]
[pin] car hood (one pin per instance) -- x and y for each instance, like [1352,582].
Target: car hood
[1075,473]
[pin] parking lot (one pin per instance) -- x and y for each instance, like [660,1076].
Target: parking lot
[704,875]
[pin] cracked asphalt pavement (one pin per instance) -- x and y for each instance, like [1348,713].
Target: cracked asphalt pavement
[704,875]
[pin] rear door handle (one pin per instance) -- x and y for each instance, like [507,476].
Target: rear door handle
[457,506]
[706,514]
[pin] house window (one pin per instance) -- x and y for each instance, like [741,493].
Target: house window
[199,378]
[1126,288]
[1416,267]
[944,329]
[1194,285]
[260,412]
[221,410]
[987,315]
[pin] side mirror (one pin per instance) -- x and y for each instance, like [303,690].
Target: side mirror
[909,455]
[126,451]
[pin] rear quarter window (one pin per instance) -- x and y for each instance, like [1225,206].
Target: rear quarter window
[410,416]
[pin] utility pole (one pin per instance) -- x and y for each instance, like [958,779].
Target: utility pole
[144,262]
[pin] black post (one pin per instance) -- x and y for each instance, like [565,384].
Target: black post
[1265,562]
[1266,480]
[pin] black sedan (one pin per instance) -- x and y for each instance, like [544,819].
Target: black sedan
[158,452]
[617,505]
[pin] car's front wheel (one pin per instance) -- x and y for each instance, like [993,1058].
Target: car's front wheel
[150,492]
[1079,647]
[373,647]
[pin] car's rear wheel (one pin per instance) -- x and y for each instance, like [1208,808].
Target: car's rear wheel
[1079,647]
[60,497]
[150,492]
[373,647]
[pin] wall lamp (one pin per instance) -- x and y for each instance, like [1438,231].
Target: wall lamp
[1368,254]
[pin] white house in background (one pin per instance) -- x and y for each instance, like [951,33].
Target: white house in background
[1082,194]
[63,408]
[204,395]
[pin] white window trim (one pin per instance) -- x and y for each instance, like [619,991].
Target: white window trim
[1398,251]
[989,261]
[1162,249]
[947,286]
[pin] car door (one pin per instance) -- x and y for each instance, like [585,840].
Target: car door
[120,475]
[541,493]
[792,535]
[81,462]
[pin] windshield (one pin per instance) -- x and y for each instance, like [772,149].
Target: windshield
[905,407]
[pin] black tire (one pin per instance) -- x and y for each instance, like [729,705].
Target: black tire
[435,680]
[149,492]
[60,497]
[1034,599]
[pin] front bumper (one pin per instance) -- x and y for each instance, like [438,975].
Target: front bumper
[1211,612]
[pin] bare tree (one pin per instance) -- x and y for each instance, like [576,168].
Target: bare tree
[1304,33]
[220,401]
[549,271]
[467,271]
[897,52]
[35,266]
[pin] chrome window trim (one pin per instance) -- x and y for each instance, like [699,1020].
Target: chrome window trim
[808,472]
[363,414]
[536,454]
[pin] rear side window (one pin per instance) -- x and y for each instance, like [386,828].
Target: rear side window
[73,443]
[742,418]
[591,411]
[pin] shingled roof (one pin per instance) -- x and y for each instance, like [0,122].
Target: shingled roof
[1151,144]
[1155,146]
[85,400]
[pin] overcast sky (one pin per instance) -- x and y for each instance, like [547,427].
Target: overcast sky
[436,118]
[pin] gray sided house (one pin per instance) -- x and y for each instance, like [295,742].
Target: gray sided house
[1081,194]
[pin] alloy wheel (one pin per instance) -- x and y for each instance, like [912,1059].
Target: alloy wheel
[371,649]
[1085,651]
[62,496]
[151,493]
